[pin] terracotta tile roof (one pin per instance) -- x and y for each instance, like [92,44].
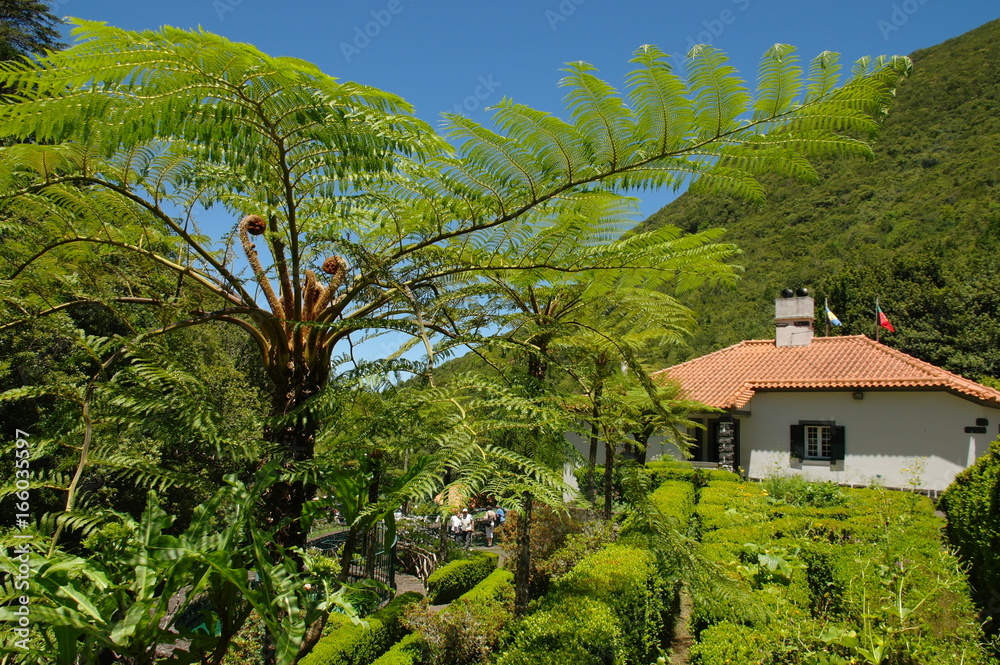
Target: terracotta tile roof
[728,378]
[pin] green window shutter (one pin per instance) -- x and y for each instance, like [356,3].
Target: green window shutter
[798,438]
[837,446]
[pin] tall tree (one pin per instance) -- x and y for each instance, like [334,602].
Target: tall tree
[27,27]
[136,130]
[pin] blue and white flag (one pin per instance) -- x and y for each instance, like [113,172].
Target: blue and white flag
[830,316]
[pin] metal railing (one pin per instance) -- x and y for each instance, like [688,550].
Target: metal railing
[374,559]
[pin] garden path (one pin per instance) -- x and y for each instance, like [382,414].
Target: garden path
[680,644]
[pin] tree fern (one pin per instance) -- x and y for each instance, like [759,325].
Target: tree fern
[131,127]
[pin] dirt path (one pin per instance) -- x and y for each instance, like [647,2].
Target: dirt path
[680,645]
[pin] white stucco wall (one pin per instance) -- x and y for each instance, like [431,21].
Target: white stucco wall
[656,448]
[884,434]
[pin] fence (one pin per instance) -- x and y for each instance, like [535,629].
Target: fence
[374,560]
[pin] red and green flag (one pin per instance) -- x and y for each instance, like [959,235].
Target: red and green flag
[883,320]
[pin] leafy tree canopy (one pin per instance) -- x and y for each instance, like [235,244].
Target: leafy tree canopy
[27,27]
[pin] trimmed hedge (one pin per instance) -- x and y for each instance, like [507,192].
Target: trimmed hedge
[663,470]
[405,652]
[580,632]
[347,643]
[452,580]
[498,586]
[831,581]
[675,499]
[611,607]
[972,503]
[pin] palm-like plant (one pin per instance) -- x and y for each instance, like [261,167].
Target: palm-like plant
[133,131]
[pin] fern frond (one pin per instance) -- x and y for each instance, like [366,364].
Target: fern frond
[779,82]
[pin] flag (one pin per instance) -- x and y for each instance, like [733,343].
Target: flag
[830,316]
[883,320]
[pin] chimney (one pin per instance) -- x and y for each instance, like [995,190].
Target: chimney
[794,314]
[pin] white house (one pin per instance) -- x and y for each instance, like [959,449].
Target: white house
[846,409]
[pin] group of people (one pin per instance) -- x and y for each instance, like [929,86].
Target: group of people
[463,525]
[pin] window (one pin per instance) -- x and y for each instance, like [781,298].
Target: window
[817,440]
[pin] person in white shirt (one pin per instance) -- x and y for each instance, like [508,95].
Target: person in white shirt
[468,526]
[491,522]
[456,527]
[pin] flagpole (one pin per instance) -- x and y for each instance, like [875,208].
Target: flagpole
[826,308]
[877,326]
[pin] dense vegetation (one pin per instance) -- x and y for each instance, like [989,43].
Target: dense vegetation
[783,572]
[972,503]
[830,575]
[185,433]
[918,226]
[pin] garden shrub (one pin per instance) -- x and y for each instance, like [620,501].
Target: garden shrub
[407,651]
[549,531]
[594,536]
[757,532]
[575,631]
[716,516]
[798,491]
[348,643]
[675,500]
[661,471]
[469,629]
[627,580]
[833,512]
[878,579]
[972,503]
[727,643]
[722,476]
[452,580]
[748,497]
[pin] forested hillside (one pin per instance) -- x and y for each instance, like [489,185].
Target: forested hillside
[918,226]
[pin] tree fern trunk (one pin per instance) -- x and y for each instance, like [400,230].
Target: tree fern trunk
[522,573]
[294,430]
[609,464]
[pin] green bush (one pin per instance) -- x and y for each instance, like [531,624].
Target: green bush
[972,503]
[465,631]
[452,580]
[497,586]
[627,580]
[798,491]
[721,475]
[879,579]
[594,536]
[405,652]
[661,471]
[728,643]
[675,500]
[576,631]
[347,643]
[469,629]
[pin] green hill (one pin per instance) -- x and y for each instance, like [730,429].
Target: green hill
[919,226]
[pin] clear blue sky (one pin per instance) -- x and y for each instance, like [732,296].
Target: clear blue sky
[443,54]
[439,54]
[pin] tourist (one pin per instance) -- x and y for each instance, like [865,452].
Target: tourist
[468,526]
[491,522]
[456,527]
